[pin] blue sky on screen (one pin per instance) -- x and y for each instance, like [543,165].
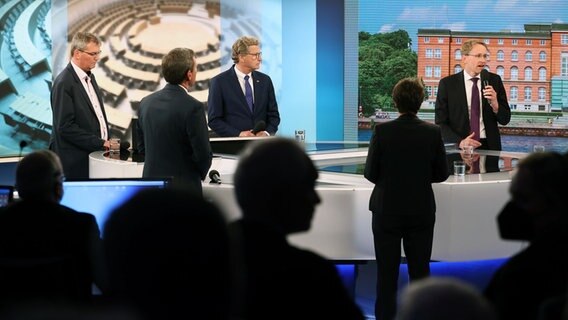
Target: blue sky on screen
[378,16]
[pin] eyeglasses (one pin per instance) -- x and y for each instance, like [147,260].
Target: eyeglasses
[257,55]
[480,56]
[92,54]
[60,176]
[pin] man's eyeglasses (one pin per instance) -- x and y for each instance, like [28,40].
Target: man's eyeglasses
[60,177]
[256,55]
[480,56]
[92,54]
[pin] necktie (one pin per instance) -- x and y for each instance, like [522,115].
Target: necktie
[474,114]
[248,93]
[96,106]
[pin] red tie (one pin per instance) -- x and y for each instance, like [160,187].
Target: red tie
[474,115]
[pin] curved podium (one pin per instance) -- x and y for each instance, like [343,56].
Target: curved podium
[467,207]
[103,164]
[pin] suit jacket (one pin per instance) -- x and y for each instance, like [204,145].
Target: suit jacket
[452,112]
[32,230]
[173,135]
[405,157]
[539,272]
[76,131]
[227,108]
[284,281]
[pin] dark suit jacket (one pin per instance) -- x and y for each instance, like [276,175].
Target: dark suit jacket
[284,281]
[406,156]
[228,110]
[452,112]
[539,272]
[76,131]
[173,135]
[36,230]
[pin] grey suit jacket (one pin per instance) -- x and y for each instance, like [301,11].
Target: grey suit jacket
[76,131]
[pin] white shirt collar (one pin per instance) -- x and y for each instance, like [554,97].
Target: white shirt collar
[80,72]
[241,75]
[468,77]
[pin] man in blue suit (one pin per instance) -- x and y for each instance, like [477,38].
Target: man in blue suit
[242,99]
[80,124]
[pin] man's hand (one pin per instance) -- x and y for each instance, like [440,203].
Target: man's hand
[247,133]
[491,96]
[469,141]
[262,134]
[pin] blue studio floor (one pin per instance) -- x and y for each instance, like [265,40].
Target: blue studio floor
[361,279]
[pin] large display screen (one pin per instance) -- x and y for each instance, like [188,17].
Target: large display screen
[101,196]
[333,62]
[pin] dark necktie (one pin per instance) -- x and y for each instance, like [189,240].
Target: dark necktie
[248,93]
[474,115]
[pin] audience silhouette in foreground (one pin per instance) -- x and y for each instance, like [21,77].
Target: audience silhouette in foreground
[168,256]
[538,213]
[48,253]
[444,298]
[275,188]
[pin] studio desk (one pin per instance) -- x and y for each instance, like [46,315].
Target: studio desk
[467,207]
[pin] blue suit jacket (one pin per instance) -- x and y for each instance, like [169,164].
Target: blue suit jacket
[76,131]
[227,107]
[172,134]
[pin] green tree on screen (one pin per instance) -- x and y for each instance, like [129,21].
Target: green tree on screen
[384,59]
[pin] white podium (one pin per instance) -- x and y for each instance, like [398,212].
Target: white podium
[467,207]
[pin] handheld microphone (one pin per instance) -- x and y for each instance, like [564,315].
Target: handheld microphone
[215,177]
[124,145]
[258,127]
[484,75]
[124,155]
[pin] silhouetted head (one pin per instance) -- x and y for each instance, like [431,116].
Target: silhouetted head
[39,175]
[167,254]
[538,197]
[443,299]
[275,182]
[539,184]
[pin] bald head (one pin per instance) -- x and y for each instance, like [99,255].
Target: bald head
[443,298]
[39,175]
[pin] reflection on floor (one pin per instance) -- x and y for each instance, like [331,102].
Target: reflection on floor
[360,279]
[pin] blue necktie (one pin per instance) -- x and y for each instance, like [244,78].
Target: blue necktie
[248,93]
[474,115]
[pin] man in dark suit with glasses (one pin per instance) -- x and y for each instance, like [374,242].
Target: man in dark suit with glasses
[471,103]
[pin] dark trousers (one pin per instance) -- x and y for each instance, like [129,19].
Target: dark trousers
[416,233]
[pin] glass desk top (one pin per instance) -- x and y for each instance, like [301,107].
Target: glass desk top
[486,163]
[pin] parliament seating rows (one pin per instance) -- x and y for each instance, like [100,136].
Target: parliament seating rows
[22,48]
[131,70]
[174,6]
